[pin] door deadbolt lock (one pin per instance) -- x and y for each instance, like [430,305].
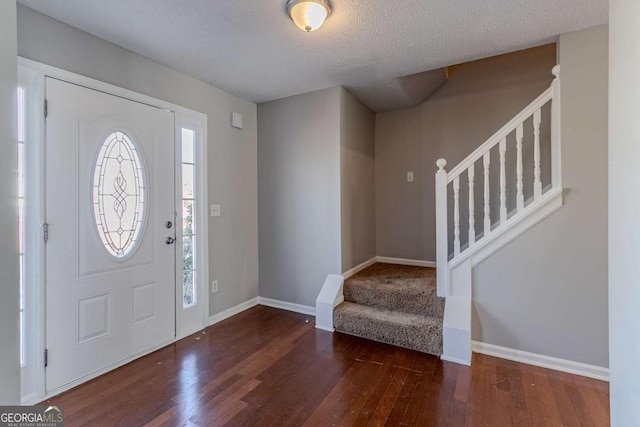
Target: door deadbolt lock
[168,224]
[170,241]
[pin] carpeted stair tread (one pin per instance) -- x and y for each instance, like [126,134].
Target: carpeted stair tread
[396,287]
[417,332]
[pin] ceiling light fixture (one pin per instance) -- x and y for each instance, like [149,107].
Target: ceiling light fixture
[308,15]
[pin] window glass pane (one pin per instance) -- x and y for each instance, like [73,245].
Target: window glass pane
[188,288]
[22,338]
[187,253]
[21,225]
[21,214]
[22,307]
[118,194]
[21,259]
[188,217]
[188,226]
[187,181]
[187,146]
[21,182]
[21,114]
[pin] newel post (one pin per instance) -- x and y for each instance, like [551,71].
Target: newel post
[442,238]
[556,157]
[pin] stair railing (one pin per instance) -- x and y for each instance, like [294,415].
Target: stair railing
[448,183]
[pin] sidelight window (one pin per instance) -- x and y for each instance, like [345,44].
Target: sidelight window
[188,219]
[21,215]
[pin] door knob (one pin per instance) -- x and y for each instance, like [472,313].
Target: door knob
[170,241]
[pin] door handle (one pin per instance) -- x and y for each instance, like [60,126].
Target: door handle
[170,240]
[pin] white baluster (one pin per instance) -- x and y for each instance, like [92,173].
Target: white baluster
[486,160]
[442,231]
[519,184]
[472,216]
[456,216]
[503,182]
[537,183]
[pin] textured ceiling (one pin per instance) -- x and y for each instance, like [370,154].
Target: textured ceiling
[251,48]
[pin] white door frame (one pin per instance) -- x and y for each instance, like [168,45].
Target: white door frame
[35,73]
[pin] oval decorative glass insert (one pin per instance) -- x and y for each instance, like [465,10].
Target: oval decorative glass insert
[119,197]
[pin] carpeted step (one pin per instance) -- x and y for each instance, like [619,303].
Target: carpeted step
[398,288]
[417,332]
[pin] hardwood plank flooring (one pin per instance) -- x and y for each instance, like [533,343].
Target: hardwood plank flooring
[268,367]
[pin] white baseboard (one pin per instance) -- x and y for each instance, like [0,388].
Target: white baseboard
[31,400]
[289,306]
[233,311]
[455,360]
[402,261]
[359,268]
[542,361]
[190,331]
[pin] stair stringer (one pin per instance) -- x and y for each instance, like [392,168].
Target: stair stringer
[456,330]
[331,295]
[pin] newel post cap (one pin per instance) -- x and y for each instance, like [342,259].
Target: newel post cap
[441,163]
[556,71]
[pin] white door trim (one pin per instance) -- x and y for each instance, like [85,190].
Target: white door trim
[38,71]
[33,372]
[68,76]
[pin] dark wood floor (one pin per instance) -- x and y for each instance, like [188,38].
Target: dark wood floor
[267,367]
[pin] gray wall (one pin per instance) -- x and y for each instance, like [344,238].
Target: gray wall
[299,194]
[9,287]
[546,292]
[479,98]
[357,179]
[232,162]
[624,205]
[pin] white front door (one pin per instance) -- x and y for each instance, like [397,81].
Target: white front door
[110,257]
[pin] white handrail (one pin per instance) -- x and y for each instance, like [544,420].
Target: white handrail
[523,115]
[506,220]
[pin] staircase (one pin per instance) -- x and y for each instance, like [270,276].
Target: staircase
[394,304]
[502,216]
[508,184]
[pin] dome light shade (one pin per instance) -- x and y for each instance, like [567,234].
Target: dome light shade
[308,15]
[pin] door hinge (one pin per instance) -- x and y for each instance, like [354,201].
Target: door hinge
[46,357]
[45,232]
[46,108]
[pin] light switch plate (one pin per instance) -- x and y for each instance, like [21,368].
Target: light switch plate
[215,210]
[409,176]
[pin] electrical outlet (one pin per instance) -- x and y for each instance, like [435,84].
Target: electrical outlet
[214,286]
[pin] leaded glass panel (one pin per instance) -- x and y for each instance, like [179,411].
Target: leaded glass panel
[119,195]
